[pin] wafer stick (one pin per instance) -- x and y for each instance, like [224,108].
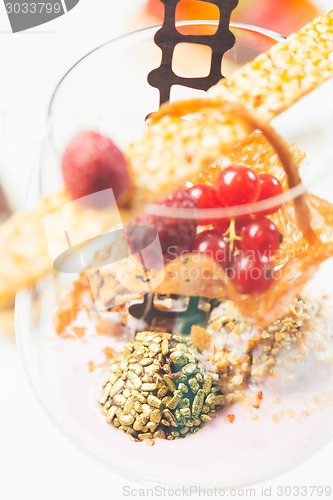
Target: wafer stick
[24,255]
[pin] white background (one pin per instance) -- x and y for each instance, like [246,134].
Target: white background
[36,460]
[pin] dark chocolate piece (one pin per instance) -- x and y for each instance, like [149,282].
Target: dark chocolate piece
[163,77]
[178,321]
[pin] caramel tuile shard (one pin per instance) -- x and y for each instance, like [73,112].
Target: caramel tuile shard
[271,83]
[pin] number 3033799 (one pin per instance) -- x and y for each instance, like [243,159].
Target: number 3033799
[33,8]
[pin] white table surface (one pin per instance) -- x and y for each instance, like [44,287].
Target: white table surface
[37,461]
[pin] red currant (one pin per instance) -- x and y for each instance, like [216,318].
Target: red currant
[221,224]
[269,187]
[243,219]
[249,275]
[237,185]
[232,235]
[206,197]
[233,232]
[261,237]
[213,244]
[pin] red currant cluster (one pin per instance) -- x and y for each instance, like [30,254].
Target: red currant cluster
[244,245]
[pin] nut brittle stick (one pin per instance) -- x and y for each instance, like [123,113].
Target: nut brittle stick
[275,80]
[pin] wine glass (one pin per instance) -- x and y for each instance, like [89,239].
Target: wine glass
[107,91]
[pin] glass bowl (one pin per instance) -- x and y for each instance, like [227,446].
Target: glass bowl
[107,91]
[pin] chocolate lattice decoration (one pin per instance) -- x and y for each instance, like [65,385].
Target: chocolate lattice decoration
[163,77]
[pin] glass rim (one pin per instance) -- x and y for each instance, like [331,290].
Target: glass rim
[150,29]
[258,207]
[254,208]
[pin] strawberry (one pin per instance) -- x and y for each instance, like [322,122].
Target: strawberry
[92,163]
